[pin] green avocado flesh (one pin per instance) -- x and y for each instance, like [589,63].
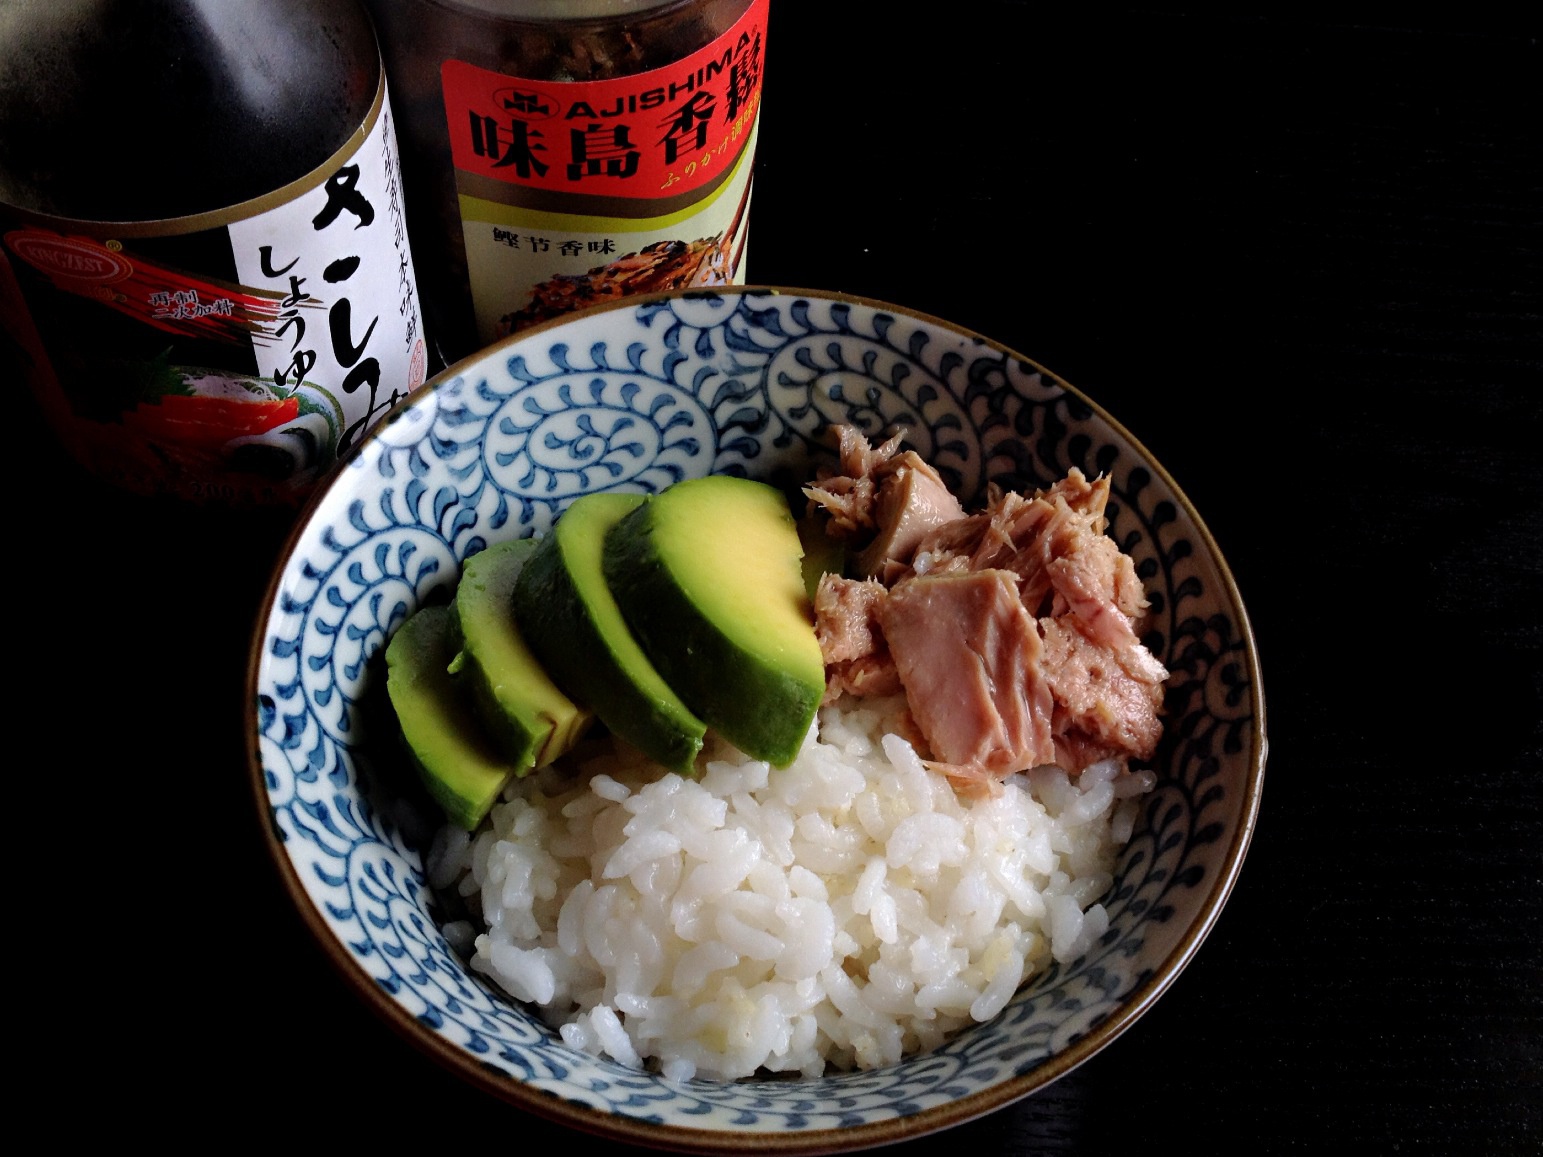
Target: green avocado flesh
[576,630]
[822,554]
[708,576]
[458,763]
[530,719]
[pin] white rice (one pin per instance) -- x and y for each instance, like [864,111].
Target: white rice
[844,911]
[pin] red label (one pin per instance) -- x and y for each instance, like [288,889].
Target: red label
[167,299]
[652,134]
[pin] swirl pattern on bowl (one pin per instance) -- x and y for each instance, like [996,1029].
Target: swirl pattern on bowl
[637,397]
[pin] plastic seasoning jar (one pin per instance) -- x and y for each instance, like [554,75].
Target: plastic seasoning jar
[560,153]
[205,273]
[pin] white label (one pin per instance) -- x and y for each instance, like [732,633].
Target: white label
[349,324]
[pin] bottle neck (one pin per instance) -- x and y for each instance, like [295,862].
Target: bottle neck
[208,104]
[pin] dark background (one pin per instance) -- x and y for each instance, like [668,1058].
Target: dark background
[1300,261]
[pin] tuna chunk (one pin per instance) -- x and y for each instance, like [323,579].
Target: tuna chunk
[846,617]
[846,622]
[912,502]
[1018,532]
[1099,702]
[885,499]
[968,657]
[848,494]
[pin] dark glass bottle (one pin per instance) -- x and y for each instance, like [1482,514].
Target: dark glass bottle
[204,267]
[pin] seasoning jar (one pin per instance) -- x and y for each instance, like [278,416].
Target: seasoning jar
[205,272]
[560,153]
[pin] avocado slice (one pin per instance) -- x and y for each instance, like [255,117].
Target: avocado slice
[707,574]
[822,554]
[456,760]
[523,710]
[574,627]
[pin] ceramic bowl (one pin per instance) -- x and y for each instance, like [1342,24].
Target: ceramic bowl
[636,396]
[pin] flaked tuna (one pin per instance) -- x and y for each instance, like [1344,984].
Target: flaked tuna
[891,500]
[968,657]
[857,658]
[913,501]
[848,494]
[1101,706]
[1013,631]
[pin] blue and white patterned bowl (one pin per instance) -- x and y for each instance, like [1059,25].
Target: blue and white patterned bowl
[636,396]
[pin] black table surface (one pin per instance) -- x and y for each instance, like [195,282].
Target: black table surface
[1300,260]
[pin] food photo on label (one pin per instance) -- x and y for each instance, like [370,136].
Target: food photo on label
[751,713]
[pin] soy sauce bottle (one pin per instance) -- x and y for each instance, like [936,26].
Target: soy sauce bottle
[205,273]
